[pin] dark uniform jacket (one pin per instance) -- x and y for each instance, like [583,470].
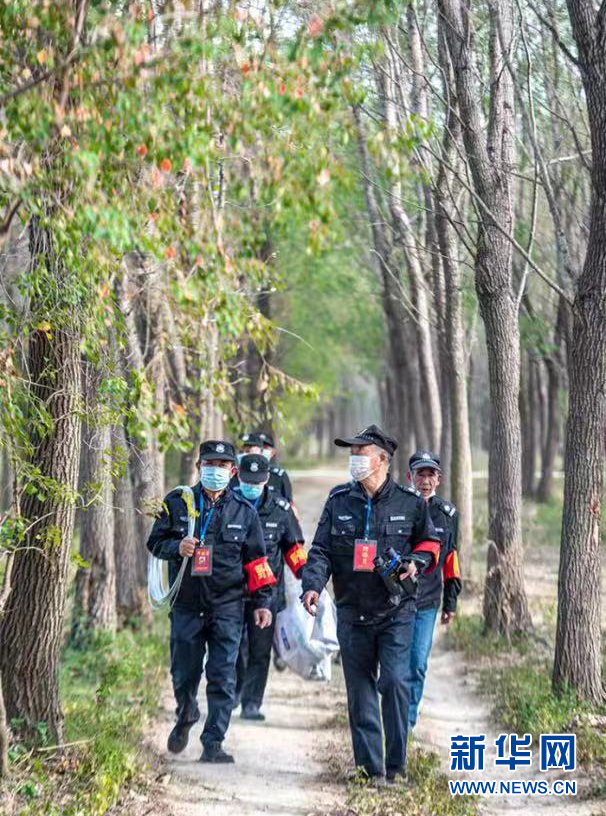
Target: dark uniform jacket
[283,541]
[279,483]
[399,519]
[239,562]
[446,522]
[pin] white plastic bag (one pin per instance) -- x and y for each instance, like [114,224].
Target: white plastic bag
[303,642]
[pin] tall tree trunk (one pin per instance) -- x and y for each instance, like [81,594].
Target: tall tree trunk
[577,660]
[98,529]
[545,487]
[554,363]
[490,162]
[388,80]
[146,487]
[130,597]
[528,424]
[32,625]
[400,352]
[95,602]
[455,354]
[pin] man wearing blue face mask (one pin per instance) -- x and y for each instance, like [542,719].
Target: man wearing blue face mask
[284,544]
[227,554]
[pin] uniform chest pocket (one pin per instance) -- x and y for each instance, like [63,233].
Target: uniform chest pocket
[342,529]
[232,535]
[397,531]
[343,534]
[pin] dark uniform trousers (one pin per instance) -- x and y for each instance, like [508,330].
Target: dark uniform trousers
[283,539]
[375,658]
[206,620]
[374,635]
[254,658]
[192,636]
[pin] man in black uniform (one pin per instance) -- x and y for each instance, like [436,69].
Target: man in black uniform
[445,582]
[283,543]
[278,477]
[360,521]
[227,554]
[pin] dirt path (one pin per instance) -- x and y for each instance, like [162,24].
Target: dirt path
[278,769]
[452,705]
[278,766]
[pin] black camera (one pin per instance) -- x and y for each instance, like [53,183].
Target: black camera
[390,569]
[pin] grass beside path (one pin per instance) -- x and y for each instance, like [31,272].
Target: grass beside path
[425,793]
[109,687]
[517,678]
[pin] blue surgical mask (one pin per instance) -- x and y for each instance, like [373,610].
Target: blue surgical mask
[251,491]
[214,478]
[267,454]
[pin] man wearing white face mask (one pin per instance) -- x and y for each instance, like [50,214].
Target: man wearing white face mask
[371,518]
[227,554]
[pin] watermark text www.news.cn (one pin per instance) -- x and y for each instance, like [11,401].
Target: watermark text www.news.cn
[557,752]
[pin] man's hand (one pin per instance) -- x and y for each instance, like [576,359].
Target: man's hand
[187,547]
[447,617]
[262,618]
[410,572]
[310,602]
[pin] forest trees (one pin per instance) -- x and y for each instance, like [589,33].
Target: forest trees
[126,306]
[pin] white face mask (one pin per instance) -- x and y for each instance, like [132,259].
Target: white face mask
[267,453]
[359,467]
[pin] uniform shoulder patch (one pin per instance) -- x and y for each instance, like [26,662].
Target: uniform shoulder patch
[344,488]
[409,489]
[285,505]
[277,470]
[446,506]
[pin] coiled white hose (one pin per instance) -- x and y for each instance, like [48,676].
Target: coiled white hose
[158,591]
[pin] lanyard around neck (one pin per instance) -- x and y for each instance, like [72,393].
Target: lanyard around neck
[204,528]
[368,516]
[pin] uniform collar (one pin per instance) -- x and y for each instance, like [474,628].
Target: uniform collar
[384,493]
[266,500]
[207,502]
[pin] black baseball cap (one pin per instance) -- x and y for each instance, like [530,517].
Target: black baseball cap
[214,449]
[424,459]
[253,468]
[372,435]
[267,439]
[255,439]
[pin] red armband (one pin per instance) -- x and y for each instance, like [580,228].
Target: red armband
[432,547]
[296,557]
[259,574]
[451,565]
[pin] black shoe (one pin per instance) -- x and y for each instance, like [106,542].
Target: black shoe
[392,774]
[250,711]
[236,703]
[179,737]
[217,755]
[360,776]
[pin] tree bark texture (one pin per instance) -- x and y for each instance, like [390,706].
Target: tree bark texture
[489,152]
[578,638]
[32,625]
